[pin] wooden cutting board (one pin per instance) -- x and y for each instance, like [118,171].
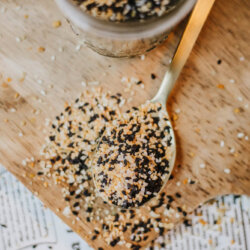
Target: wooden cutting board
[41,67]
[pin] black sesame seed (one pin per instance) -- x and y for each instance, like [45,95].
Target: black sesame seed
[114,242]
[135,247]
[178,195]
[52,138]
[179,209]
[89,209]
[153,76]
[116,217]
[76,204]
[105,226]
[86,193]
[94,237]
[187,223]
[171,177]
[78,196]
[162,229]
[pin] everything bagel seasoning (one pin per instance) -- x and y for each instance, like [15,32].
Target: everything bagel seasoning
[132,158]
[66,158]
[126,10]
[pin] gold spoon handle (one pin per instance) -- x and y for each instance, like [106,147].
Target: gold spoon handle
[189,37]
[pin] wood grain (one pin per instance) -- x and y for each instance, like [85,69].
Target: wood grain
[209,103]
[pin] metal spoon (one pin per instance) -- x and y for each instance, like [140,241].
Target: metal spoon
[190,35]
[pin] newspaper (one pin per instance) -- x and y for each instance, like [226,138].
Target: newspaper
[25,224]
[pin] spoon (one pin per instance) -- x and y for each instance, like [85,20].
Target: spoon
[124,180]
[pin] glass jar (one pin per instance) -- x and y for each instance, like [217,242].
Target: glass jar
[123,39]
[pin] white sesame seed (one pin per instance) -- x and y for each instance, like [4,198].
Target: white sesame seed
[66,211]
[246,105]
[227,170]
[232,150]
[37,112]
[12,110]
[222,144]
[202,165]
[213,72]
[84,84]
[242,58]
[177,215]
[43,92]
[134,80]
[60,49]
[124,79]
[177,111]
[94,83]
[39,81]
[240,135]
[18,39]
[246,138]
[47,122]
[232,81]
[142,57]
[3,9]
[78,47]
[122,103]
[20,134]
[130,99]
[240,99]
[142,86]
[178,183]
[53,58]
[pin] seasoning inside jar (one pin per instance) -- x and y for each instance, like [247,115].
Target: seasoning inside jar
[126,10]
[132,159]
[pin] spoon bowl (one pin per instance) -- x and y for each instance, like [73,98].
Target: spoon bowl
[135,156]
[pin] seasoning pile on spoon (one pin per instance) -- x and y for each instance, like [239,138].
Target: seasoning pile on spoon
[132,158]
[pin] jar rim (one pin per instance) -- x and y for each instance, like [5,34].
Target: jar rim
[124,30]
